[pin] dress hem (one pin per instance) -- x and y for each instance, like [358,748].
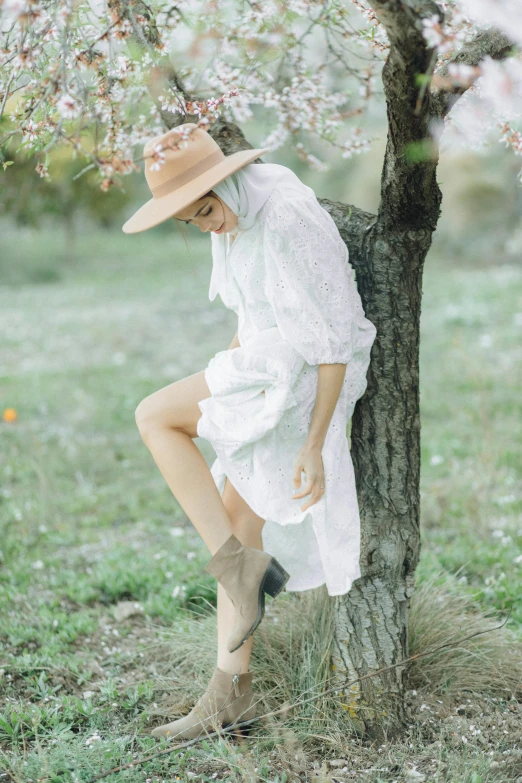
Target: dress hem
[320,584]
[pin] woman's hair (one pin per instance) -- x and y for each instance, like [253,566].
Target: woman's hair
[180,223]
[210,193]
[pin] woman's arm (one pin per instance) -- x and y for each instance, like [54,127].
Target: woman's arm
[329,384]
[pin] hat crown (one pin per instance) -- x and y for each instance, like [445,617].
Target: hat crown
[168,166]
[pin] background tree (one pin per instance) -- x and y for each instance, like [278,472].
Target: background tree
[68,68]
[29,198]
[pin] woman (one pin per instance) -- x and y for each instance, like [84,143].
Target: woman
[274,405]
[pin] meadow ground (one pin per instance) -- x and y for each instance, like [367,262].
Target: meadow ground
[107,617]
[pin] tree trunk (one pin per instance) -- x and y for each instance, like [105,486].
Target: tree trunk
[70,244]
[372,619]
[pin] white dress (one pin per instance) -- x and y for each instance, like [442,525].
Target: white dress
[289,280]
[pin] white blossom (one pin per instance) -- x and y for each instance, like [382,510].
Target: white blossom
[15,8]
[68,107]
[505,15]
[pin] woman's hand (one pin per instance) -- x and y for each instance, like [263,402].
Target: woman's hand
[310,461]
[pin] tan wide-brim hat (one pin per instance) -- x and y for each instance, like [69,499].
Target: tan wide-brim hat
[179,176]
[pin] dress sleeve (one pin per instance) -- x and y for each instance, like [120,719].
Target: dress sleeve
[309,281]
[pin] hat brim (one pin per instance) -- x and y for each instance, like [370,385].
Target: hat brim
[156,210]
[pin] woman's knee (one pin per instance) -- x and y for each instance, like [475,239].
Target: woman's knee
[147,417]
[176,406]
[150,416]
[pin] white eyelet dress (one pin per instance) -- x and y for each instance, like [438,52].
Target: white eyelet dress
[289,280]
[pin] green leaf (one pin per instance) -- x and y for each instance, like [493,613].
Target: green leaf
[422,79]
[419,151]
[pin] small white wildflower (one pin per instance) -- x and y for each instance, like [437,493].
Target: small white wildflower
[93,738]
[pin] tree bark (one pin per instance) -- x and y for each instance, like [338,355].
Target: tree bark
[371,621]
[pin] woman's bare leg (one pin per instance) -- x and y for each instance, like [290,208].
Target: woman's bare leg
[167,421]
[247,527]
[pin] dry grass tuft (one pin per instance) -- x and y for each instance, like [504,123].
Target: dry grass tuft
[489,664]
[291,653]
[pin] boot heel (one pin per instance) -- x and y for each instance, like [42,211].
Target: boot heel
[275,578]
[244,730]
[237,729]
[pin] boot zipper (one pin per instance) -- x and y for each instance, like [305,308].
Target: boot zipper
[235,680]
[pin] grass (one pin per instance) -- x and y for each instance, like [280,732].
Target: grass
[102,590]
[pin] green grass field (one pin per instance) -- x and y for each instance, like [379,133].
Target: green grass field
[88,522]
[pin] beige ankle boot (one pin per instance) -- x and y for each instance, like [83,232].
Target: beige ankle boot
[227,702]
[246,574]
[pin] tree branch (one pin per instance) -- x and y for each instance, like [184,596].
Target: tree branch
[402,20]
[487,42]
[410,195]
[227,134]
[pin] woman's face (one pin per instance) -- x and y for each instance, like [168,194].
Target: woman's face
[210,214]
